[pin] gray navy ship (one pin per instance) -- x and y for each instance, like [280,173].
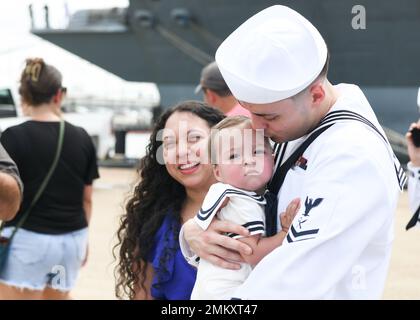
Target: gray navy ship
[169,41]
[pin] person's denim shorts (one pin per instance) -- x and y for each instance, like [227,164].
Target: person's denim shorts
[38,260]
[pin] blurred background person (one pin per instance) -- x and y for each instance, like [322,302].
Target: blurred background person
[413,143]
[216,92]
[50,247]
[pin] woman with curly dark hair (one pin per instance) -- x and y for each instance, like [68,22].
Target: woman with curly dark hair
[175,177]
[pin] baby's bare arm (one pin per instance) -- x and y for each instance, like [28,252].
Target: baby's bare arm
[263,246]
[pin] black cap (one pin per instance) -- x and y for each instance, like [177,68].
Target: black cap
[211,78]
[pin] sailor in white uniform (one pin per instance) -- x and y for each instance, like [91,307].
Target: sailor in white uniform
[331,153]
[413,178]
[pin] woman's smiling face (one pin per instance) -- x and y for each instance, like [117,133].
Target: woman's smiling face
[185,139]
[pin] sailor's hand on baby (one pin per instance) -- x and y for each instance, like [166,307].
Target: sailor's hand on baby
[214,246]
[286,218]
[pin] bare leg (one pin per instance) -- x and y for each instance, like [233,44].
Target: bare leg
[52,294]
[13,293]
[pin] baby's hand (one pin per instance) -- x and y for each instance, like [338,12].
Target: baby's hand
[286,218]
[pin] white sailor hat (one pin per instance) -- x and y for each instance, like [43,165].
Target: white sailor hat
[272,56]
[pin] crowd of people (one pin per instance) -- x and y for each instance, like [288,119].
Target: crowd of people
[255,176]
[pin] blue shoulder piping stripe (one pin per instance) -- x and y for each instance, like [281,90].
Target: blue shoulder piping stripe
[204,214]
[251,226]
[279,151]
[276,148]
[350,115]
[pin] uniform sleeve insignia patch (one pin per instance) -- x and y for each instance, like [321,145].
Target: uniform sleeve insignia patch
[310,204]
[297,233]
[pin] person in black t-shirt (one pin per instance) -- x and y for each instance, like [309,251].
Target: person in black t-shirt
[51,246]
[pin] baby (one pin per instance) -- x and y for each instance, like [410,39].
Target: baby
[243,164]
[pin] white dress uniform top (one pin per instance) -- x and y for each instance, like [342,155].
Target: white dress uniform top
[340,242]
[244,208]
[348,179]
[414,188]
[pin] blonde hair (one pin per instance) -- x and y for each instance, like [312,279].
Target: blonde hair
[240,122]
